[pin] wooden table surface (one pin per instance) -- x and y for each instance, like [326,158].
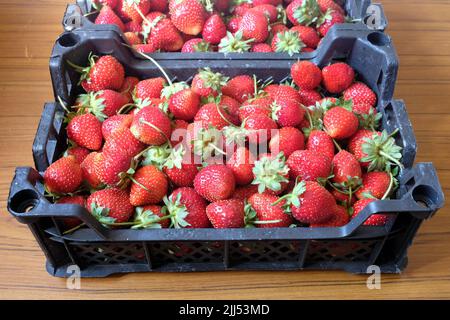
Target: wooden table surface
[421,33]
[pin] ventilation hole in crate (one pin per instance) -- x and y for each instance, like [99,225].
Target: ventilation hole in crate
[24,201]
[425,196]
[264,251]
[380,79]
[339,251]
[68,40]
[378,39]
[186,252]
[389,113]
[108,254]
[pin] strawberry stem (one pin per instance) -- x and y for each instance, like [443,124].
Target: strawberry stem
[74,229]
[157,129]
[389,190]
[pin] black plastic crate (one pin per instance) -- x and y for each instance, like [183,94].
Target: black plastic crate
[99,251]
[365,14]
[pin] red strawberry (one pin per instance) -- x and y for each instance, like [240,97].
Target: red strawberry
[368,116]
[103,73]
[261,48]
[240,88]
[207,83]
[375,219]
[110,168]
[104,103]
[329,20]
[277,27]
[282,92]
[320,142]
[214,115]
[133,26]
[272,2]
[245,192]
[346,170]
[70,223]
[88,170]
[254,25]
[271,174]
[188,209]
[287,113]
[242,163]
[188,16]
[309,165]
[339,219]
[149,89]
[108,16]
[184,104]
[129,83]
[326,5]
[266,214]
[360,93]
[180,171]
[153,210]
[215,182]
[260,128]
[287,140]
[159,5]
[134,9]
[214,29]
[86,131]
[163,35]
[110,206]
[340,123]
[63,176]
[115,123]
[287,41]
[306,75]
[151,126]
[309,97]
[231,107]
[79,153]
[374,183]
[241,8]
[122,141]
[233,24]
[304,12]
[260,105]
[132,38]
[110,3]
[270,11]
[226,214]
[196,45]
[149,186]
[308,36]
[179,131]
[337,77]
[357,141]
[311,203]
[145,48]
[343,197]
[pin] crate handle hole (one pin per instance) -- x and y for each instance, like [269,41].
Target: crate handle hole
[68,40]
[378,39]
[24,201]
[425,196]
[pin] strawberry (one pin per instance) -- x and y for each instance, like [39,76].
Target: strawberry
[134,9]
[329,5]
[340,123]
[70,223]
[145,48]
[240,88]
[287,140]
[110,206]
[368,116]
[187,208]
[214,115]
[86,131]
[339,219]
[282,92]
[254,25]
[108,16]
[271,2]
[261,105]
[356,142]
[133,26]
[287,113]
[151,126]
[343,197]
[79,153]
[309,165]
[360,93]
[346,170]
[235,43]
[259,128]
[132,38]
[309,97]
[262,212]
[226,214]
[102,74]
[219,176]
[63,176]
[261,48]
[270,11]
[188,16]
[310,203]
[276,28]
[337,77]
[320,142]
[241,8]
[102,104]
[231,107]
[88,170]
[184,104]
[180,172]
[271,174]
[304,12]
[112,167]
[161,33]
[149,186]
[374,183]
[308,36]
[328,20]
[128,86]
[242,163]
[122,141]
[114,123]
[179,131]
[196,45]
[245,192]
[287,41]
[233,24]
[149,89]
[306,75]
[376,220]
[159,5]
[214,29]
[100,3]
[151,216]
[207,83]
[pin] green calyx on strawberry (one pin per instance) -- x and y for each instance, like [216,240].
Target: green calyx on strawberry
[170,90]
[307,13]
[148,26]
[157,155]
[146,219]
[213,80]
[175,159]
[293,198]
[102,215]
[235,135]
[251,217]
[289,42]
[369,121]
[270,173]
[207,142]
[234,43]
[84,71]
[202,46]
[382,152]
[177,212]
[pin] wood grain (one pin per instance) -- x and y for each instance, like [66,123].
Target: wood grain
[420,30]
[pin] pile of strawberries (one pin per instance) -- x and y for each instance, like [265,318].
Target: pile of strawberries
[224,152]
[291,26]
